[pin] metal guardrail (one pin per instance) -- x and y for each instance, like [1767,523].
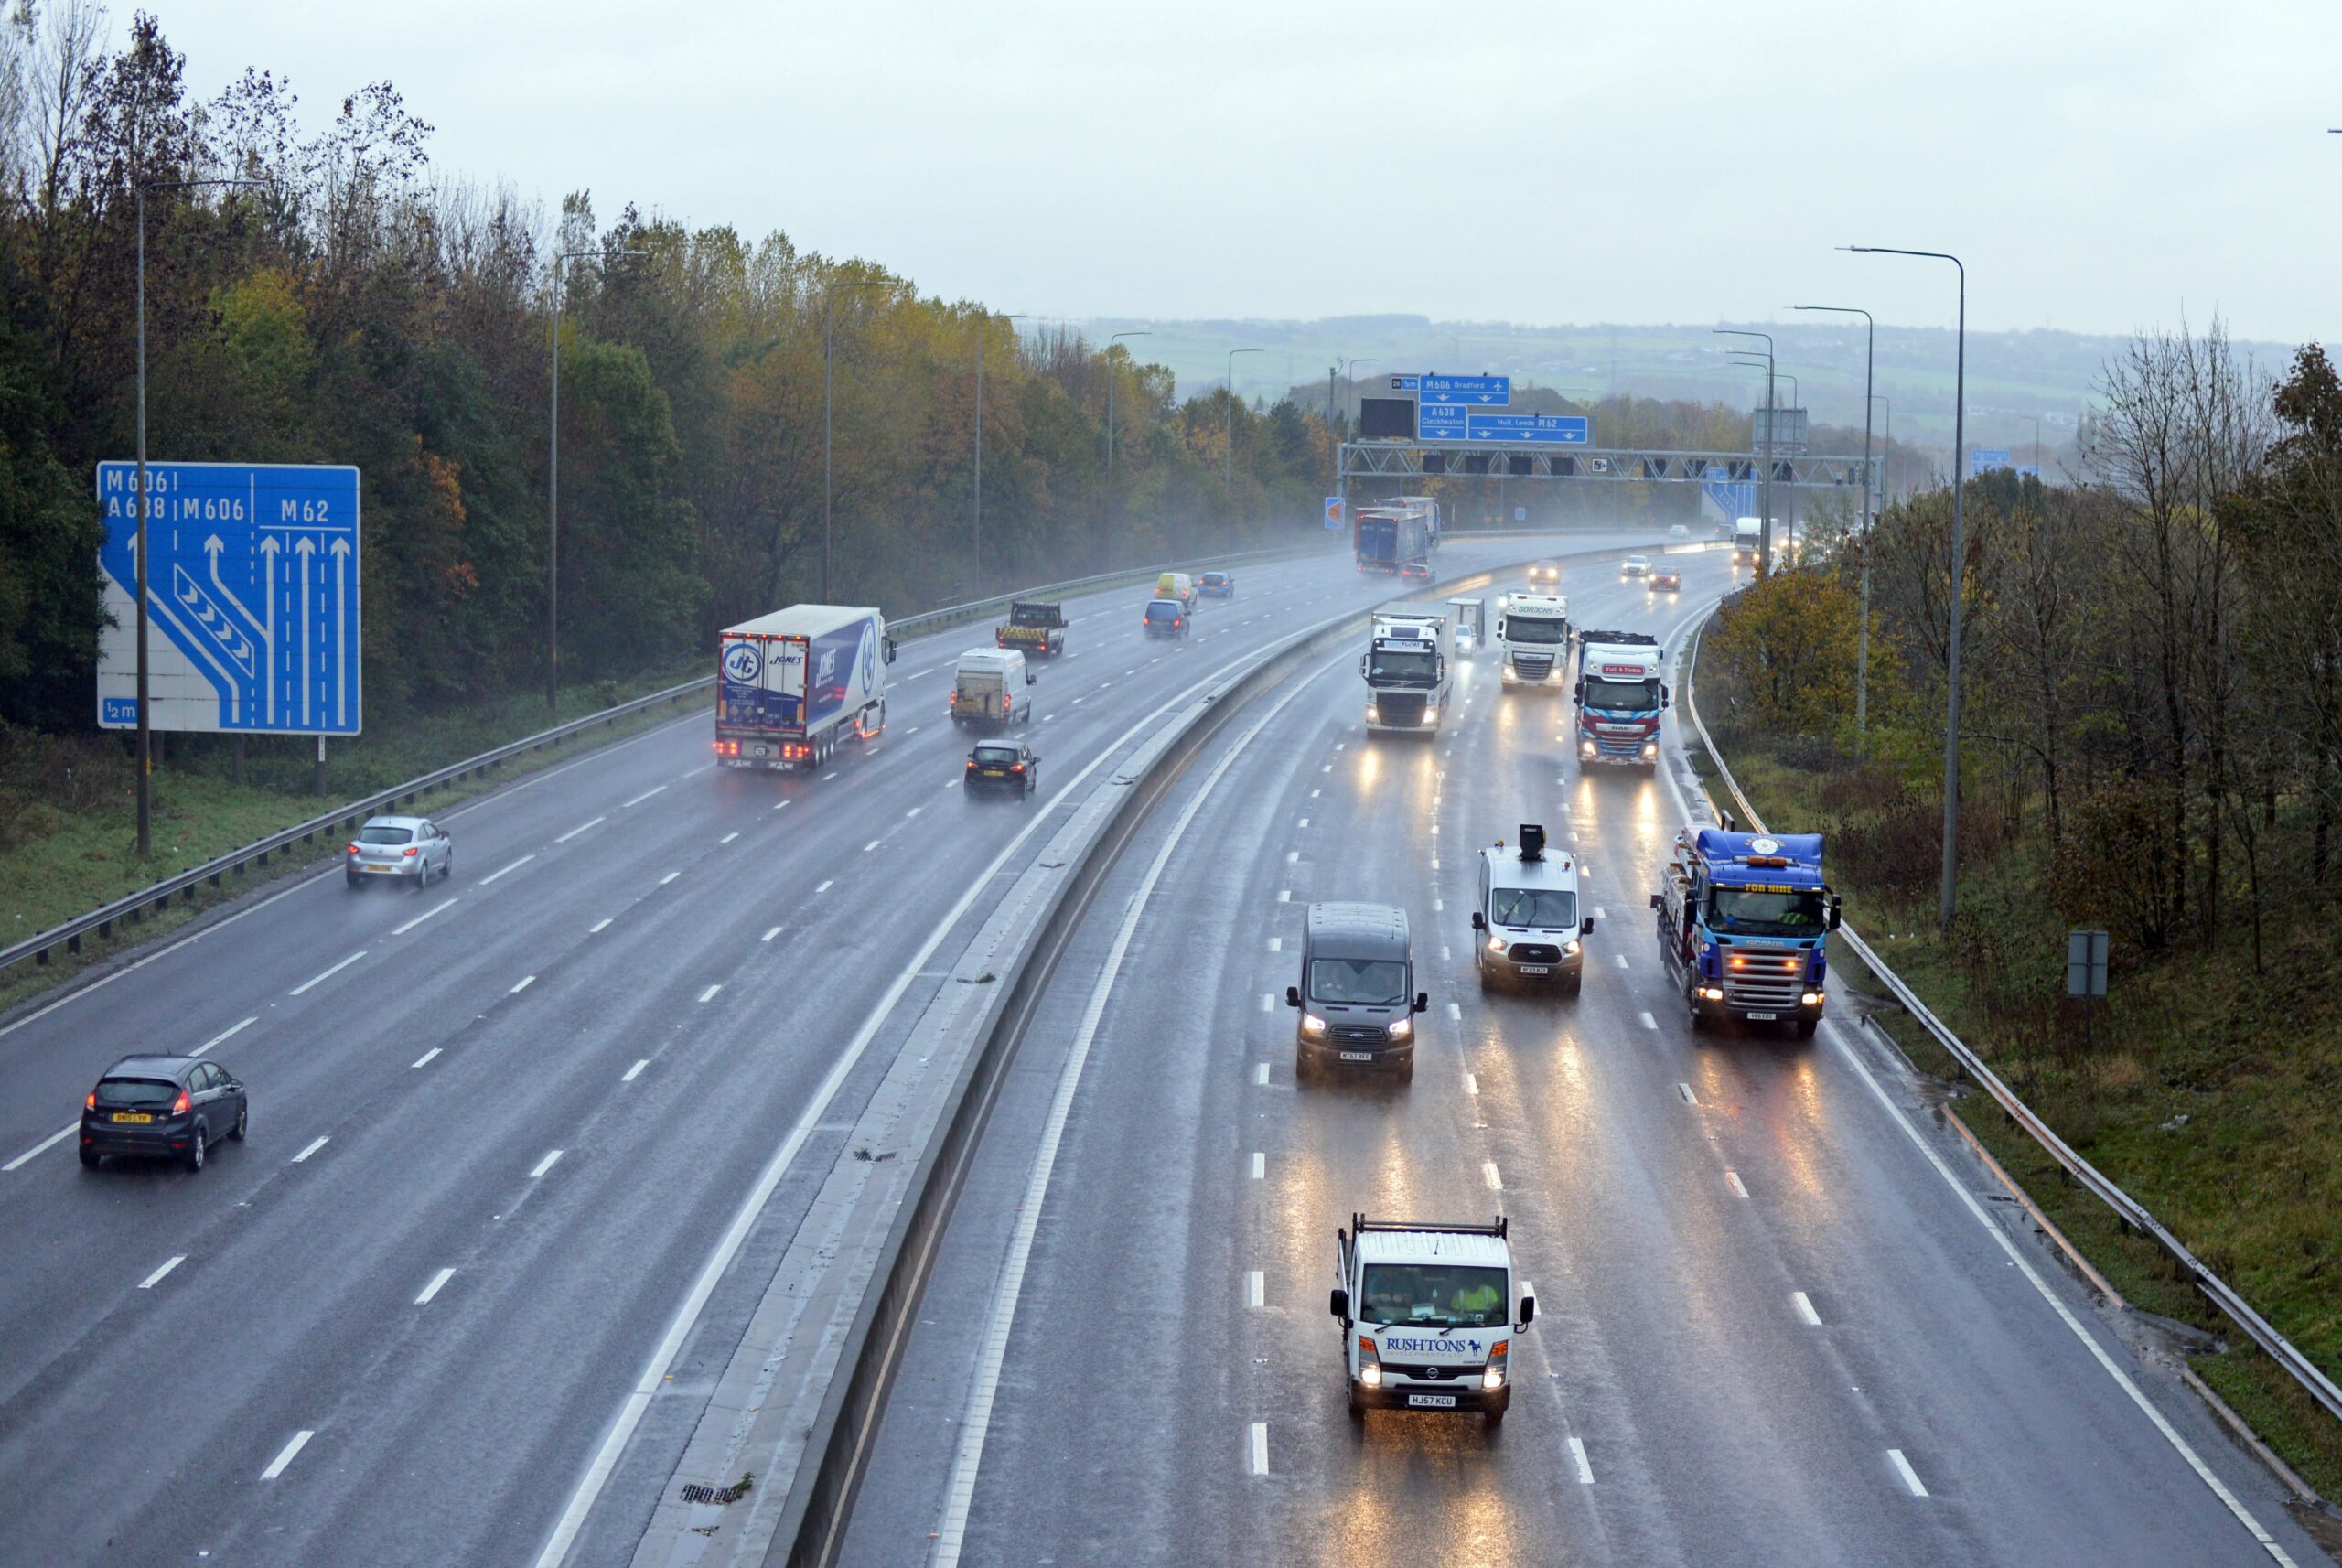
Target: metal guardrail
[2128,1210]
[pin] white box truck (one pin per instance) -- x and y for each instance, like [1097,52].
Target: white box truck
[790,685]
[1426,1315]
[1533,640]
[1409,662]
[1747,541]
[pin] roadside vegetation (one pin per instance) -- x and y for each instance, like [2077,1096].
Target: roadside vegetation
[2152,745]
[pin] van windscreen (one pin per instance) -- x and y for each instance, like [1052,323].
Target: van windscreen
[1361,982]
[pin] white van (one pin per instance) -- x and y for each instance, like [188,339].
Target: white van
[1427,1315]
[1527,923]
[988,689]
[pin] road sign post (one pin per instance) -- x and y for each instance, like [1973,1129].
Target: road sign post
[2086,973]
[252,575]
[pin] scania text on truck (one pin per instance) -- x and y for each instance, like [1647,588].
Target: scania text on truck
[1743,925]
[1032,627]
[1526,928]
[1747,541]
[790,684]
[1386,538]
[1426,1315]
[1533,640]
[1407,665]
[1619,697]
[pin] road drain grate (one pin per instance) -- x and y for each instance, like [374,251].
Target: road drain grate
[696,1493]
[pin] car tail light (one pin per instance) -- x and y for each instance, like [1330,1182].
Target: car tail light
[972,765]
[180,1106]
[1006,702]
[408,850]
[1176,621]
[91,1103]
[1018,768]
[353,849]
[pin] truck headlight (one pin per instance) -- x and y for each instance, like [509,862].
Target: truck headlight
[1373,713]
[1495,944]
[1431,713]
[1500,1359]
[1370,1365]
[1812,999]
[1711,994]
[1402,1029]
[1312,1025]
[1585,748]
[1651,750]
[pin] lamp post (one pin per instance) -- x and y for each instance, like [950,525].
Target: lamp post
[1111,379]
[1951,879]
[1764,503]
[553,488]
[1228,425]
[1862,639]
[145,729]
[829,338]
[976,527]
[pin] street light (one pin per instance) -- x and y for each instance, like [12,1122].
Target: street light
[1951,645]
[1228,425]
[1862,641]
[829,326]
[553,488]
[976,528]
[145,731]
[1111,379]
[1765,504]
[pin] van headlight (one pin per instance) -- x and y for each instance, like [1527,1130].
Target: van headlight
[1370,1365]
[1499,1359]
[1495,944]
[1402,1029]
[1312,1025]
[1571,947]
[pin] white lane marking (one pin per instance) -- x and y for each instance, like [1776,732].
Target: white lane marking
[961,1489]
[1471,1084]
[1284,894]
[1304,822]
[669,877]
[1600,913]
[912,731]
[1685,1090]
[1312,794]
[1434,828]
[1918,1489]
[231,1032]
[435,909]
[151,1281]
[644,796]
[1276,944]
[1260,1166]
[284,1454]
[2122,1380]
[328,974]
[514,866]
[1257,1449]
[777,805]
[1328,768]
[1455,1014]
[545,1164]
[1649,1021]
[580,828]
[438,1282]
[526,982]
[915,811]
[43,1145]
[727,838]
[1619,959]
[1261,1072]
[1731,1180]
[825,886]
[425,1059]
[826,776]
[1805,1309]
[1577,1454]
[871,845]
[1292,856]
[1268,1001]
[598,927]
[770,935]
[1488,1174]
[1445,956]
[704,768]
[710,992]
[1255,1288]
[1439,903]
[635,1071]
[315,1144]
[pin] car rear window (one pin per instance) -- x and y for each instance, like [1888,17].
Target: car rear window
[372,834]
[137,1091]
[995,754]
[1164,609]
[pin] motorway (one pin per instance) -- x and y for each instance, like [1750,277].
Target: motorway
[1783,1316]
[500,1128]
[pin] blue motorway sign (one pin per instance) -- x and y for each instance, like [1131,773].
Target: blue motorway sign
[1439,421]
[1555,429]
[252,599]
[1478,391]
[1984,459]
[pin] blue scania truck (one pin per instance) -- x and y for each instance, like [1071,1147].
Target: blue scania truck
[1743,926]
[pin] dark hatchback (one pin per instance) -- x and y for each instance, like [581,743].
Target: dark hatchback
[1004,765]
[173,1108]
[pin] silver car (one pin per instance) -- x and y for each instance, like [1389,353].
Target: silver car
[415,848]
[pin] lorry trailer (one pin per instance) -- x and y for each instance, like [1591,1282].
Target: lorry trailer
[1388,538]
[1743,925]
[791,685]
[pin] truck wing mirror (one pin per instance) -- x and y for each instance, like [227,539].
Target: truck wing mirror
[1665,698]
[1361,666]
[1293,997]
[1585,926]
[1479,921]
[1341,1304]
[1528,1310]
[1837,912]
[891,650]
[1422,1001]
[1577,693]
[1028,677]
[1658,901]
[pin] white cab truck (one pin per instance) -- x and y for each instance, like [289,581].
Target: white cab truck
[1528,924]
[1409,662]
[791,685]
[988,689]
[1747,539]
[1426,1315]
[1533,640]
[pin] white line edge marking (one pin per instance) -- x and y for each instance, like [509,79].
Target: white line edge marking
[671,1344]
[1257,1449]
[43,1146]
[1577,1454]
[425,1059]
[438,1282]
[960,1491]
[545,1164]
[580,828]
[1804,1306]
[151,1281]
[328,974]
[284,1454]
[514,866]
[434,909]
[1910,1476]
[315,1144]
[635,1071]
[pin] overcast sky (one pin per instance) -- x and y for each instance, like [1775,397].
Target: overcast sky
[2100,166]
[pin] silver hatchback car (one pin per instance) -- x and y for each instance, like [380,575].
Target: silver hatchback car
[415,848]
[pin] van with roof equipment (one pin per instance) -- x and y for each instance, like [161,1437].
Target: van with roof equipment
[1526,927]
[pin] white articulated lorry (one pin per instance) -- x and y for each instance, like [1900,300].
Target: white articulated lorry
[1533,640]
[1409,662]
[790,685]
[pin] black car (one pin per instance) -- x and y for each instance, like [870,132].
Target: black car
[173,1107]
[1002,765]
[1166,618]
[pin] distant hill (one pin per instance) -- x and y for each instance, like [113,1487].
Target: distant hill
[2012,376]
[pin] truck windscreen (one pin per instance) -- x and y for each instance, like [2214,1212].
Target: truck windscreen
[1545,909]
[1361,982]
[1622,696]
[1519,628]
[1403,667]
[1434,1295]
[1748,911]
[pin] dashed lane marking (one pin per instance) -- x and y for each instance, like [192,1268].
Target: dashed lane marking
[526,982]
[1731,1180]
[434,909]
[1257,1449]
[580,828]
[1260,1166]
[1685,1090]
[284,1455]
[1488,1174]
[1649,1021]
[328,974]
[1910,1476]
[1805,1309]
[151,1281]
[544,1165]
[438,1282]
[315,1144]
[514,866]
[644,796]
[598,927]
[1255,1288]
[425,1059]
[1577,1456]
[635,1071]
[710,992]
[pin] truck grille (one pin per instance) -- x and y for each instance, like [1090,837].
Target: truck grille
[1771,981]
[1534,953]
[1355,1039]
[1532,666]
[1429,1374]
[1400,707]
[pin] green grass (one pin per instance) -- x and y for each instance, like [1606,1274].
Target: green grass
[59,862]
[2211,1097]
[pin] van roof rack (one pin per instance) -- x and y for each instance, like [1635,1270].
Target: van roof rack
[1361,1224]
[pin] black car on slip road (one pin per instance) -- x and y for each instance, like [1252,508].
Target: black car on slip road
[172,1108]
